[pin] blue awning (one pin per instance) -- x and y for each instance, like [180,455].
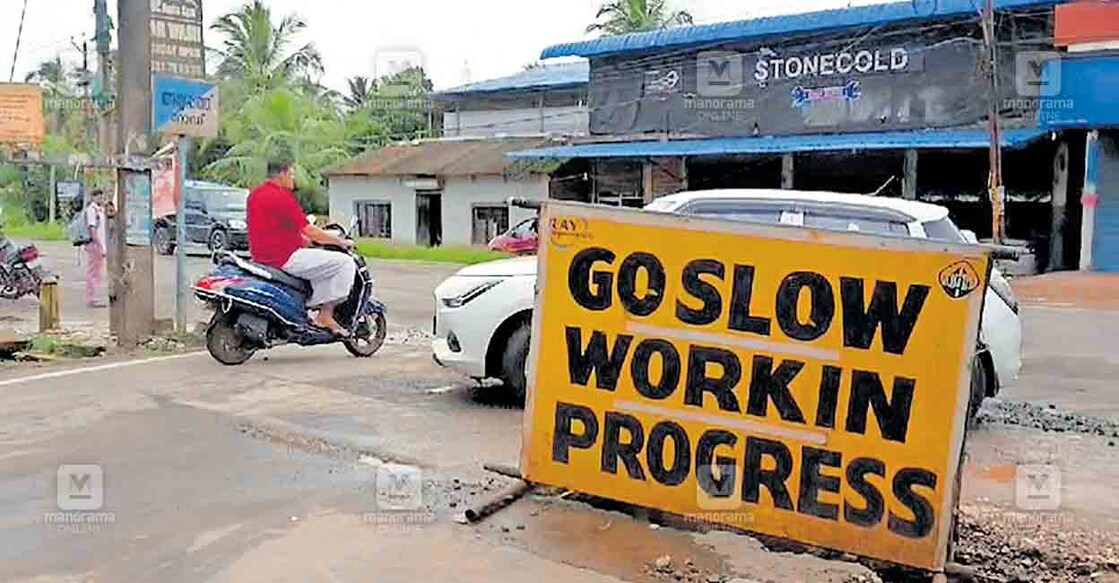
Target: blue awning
[868,15]
[556,76]
[1083,93]
[895,140]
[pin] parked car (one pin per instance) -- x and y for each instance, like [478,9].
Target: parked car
[483,313]
[520,240]
[215,217]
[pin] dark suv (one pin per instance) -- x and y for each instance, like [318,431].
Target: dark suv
[215,216]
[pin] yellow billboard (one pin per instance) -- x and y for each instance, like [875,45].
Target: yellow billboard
[801,384]
[21,114]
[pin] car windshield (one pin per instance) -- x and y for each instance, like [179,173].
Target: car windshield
[943,230]
[227,201]
[853,221]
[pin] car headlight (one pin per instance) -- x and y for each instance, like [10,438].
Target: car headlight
[237,224]
[1002,289]
[470,294]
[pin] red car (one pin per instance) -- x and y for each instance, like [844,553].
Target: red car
[520,240]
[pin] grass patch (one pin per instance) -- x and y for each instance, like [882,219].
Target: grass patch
[37,231]
[377,249]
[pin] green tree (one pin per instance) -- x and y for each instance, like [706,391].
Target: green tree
[360,92]
[395,108]
[53,76]
[258,54]
[623,16]
[281,122]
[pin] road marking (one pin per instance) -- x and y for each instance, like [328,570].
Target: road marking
[99,368]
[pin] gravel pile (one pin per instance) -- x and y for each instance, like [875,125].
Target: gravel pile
[407,336]
[1046,418]
[1025,548]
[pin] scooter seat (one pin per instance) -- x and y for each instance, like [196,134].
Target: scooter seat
[267,272]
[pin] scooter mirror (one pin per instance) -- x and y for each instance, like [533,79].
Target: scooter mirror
[311,219]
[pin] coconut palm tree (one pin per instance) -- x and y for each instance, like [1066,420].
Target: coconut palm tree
[258,53]
[53,76]
[622,16]
[361,92]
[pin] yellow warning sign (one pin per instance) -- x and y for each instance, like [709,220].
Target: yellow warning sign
[21,114]
[802,384]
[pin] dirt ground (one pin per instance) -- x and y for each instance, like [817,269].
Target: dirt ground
[267,472]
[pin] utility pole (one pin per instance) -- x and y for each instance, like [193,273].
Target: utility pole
[182,147]
[995,189]
[132,295]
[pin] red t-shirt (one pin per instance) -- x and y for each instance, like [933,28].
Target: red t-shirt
[275,224]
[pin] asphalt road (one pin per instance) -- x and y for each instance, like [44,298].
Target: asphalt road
[268,471]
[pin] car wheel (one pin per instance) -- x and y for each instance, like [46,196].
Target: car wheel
[978,387]
[513,360]
[219,240]
[163,241]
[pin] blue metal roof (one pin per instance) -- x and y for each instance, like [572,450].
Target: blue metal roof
[894,140]
[544,77]
[1085,93]
[867,15]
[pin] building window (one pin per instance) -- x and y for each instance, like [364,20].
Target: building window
[489,222]
[374,219]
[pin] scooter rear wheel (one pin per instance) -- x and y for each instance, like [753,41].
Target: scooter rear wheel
[369,338]
[225,343]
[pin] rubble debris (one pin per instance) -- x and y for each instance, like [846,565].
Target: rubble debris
[1046,418]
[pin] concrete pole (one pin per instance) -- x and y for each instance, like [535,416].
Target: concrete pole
[181,151]
[1060,200]
[131,295]
[788,165]
[1089,199]
[52,195]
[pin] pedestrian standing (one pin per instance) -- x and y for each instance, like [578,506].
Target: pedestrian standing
[95,249]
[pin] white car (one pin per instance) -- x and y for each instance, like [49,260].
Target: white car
[483,314]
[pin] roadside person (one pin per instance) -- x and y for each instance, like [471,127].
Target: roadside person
[95,248]
[280,236]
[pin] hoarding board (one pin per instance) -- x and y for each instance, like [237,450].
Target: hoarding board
[802,384]
[21,114]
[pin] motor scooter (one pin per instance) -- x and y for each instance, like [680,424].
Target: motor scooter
[257,307]
[21,271]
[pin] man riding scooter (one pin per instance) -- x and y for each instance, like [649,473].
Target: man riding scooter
[280,237]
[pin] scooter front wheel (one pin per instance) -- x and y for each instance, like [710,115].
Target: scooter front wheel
[225,343]
[369,336]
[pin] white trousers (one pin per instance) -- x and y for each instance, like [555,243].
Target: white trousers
[331,274]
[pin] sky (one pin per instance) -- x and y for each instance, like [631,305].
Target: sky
[459,41]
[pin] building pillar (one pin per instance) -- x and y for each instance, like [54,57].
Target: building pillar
[1060,201]
[787,167]
[647,188]
[909,179]
[1089,199]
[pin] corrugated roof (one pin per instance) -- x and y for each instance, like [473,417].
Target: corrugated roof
[868,15]
[545,77]
[923,139]
[437,158]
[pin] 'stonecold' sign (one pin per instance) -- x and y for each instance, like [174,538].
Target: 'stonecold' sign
[185,107]
[21,114]
[802,384]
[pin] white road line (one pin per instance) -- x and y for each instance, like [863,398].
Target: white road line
[99,368]
[751,427]
[729,340]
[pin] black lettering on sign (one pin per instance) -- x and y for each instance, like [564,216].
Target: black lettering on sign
[563,439]
[753,476]
[743,290]
[829,396]
[924,518]
[823,305]
[722,386]
[681,454]
[579,279]
[627,284]
[703,291]
[767,384]
[892,414]
[605,366]
[812,482]
[614,449]
[860,323]
[871,512]
[670,369]
[707,464]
